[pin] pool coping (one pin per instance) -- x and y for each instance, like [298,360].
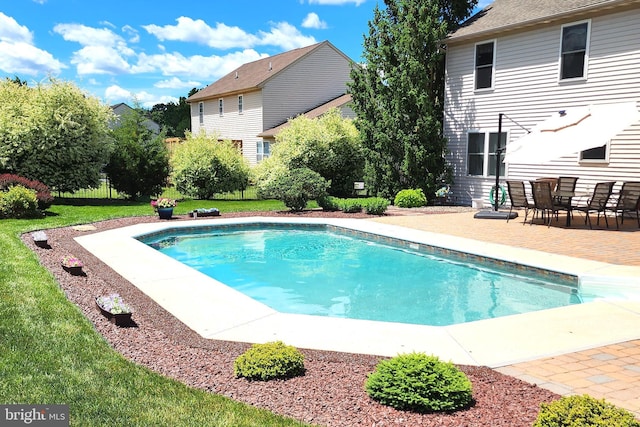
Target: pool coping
[215,311]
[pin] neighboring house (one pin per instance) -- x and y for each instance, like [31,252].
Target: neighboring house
[123,109]
[529,60]
[262,95]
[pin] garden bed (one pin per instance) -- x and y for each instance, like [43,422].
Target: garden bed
[331,393]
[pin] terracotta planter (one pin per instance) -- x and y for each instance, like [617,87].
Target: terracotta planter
[121,319]
[165,213]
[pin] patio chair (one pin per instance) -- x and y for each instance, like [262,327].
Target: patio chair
[543,201]
[518,198]
[597,202]
[566,184]
[628,202]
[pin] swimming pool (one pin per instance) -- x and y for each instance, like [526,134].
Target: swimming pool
[216,311]
[331,271]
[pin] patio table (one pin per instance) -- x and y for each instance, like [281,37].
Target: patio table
[565,198]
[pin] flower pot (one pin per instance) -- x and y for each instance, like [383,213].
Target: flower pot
[41,243]
[74,271]
[165,213]
[120,319]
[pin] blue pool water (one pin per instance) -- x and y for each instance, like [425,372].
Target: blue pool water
[312,270]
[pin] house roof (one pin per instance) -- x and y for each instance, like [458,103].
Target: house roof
[507,15]
[253,75]
[312,114]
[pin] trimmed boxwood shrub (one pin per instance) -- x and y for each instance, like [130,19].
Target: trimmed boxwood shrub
[350,205]
[43,194]
[411,198]
[268,361]
[583,411]
[421,383]
[376,205]
[18,202]
[329,203]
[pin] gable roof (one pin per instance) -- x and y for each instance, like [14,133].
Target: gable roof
[312,114]
[507,15]
[253,75]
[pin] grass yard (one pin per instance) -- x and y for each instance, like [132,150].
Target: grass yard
[51,354]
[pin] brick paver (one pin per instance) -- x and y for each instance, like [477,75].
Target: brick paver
[611,372]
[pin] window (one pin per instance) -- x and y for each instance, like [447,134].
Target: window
[240,101]
[263,150]
[221,107]
[598,154]
[201,112]
[481,153]
[485,58]
[574,51]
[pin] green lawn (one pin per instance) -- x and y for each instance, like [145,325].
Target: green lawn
[51,354]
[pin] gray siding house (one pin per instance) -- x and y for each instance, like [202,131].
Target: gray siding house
[247,104]
[529,60]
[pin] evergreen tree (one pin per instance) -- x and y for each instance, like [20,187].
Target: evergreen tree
[398,93]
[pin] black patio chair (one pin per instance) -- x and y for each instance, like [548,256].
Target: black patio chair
[597,202]
[543,201]
[628,202]
[518,198]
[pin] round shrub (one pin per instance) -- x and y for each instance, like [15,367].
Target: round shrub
[269,361]
[419,383]
[294,187]
[328,203]
[43,194]
[411,198]
[18,202]
[583,411]
[376,205]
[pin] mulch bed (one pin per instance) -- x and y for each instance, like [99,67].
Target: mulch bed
[331,393]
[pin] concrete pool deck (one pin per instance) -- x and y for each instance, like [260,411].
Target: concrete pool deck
[218,312]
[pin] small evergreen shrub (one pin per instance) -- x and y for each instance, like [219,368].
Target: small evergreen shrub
[411,198]
[295,187]
[43,194]
[18,202]
[269,361]
[350,205]
[376,205]
[421,383]
[583,411]
[328,203]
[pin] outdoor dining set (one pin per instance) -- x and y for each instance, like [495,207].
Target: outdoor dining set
[553,195]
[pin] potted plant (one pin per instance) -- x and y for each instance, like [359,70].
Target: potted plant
[72,264]
[115,309]
[164,206]
[40,239]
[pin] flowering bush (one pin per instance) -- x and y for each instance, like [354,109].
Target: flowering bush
[43,195]
[71,261]
[114,304]
[164,202]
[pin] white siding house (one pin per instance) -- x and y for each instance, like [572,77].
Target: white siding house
[264,94]
[529,60]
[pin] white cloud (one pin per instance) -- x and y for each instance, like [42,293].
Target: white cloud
[134,36]
[336,2]
[198,31]
[312,20]
[115,94]
[286,36]
[176,83]
[197,66]
[23,58]
[10,30]
[103,51]
[18,55]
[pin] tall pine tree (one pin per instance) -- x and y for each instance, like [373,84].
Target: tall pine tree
[398,93]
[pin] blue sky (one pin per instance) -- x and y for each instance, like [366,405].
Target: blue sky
[153,52]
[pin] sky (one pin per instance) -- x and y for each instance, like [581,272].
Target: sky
[145,52]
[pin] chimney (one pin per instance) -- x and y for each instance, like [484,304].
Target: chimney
[270,66]
[236,74]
